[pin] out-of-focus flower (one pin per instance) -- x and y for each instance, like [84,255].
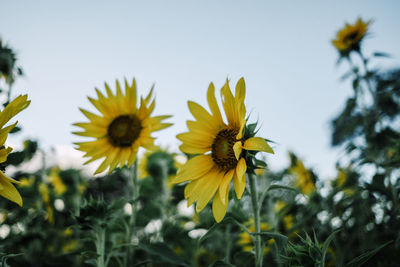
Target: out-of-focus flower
[7,190]
[349,38]
[279,205]
[220,147]
[246,241]
[120,129]
[56,181]
[44,191]
[304,180]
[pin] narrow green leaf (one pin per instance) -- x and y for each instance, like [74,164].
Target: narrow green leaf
[326,245]
[358,261]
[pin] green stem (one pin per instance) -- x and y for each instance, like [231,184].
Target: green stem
[100,246]
[228,243]
[132,220]
[256,213]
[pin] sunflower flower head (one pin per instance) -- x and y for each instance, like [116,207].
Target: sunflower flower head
[120,128]
[349,38]
[305,179]
[7,190]
[225,150]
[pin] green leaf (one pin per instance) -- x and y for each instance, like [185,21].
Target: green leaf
[326,245]
[358,261]
[163,252]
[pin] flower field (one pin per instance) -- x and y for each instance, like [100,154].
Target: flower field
[213,201]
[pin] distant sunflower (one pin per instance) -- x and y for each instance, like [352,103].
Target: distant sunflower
[304,178]
[221,147]
[350,37]
[120,129]
[7,190]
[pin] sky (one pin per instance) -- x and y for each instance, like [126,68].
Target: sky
[282,49]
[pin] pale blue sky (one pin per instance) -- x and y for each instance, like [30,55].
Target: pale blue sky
[282,48]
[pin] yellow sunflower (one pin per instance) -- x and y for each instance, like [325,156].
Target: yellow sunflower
[304,180]
[221,147]
[120,129]
[350,37]
[56,181]
[7,190]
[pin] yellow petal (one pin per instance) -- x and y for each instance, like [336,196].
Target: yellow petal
[239,185]
[4,153]
[240,133]
[10,192]
[258,144]
[240,90]
[208,189]
[241,168]
[194,168]
[219,208]
[192,149]
[237,148]
[212,102]
[224,186]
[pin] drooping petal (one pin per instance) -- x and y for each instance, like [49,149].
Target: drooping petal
[10,192]
[239,185]
[257,144]
[219,208]
[237,149]
[224,186]
[208,190]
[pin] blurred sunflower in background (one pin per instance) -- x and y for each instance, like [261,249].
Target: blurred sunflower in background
[304,178]
[7,190]
[221,147]
[120,129]
[159,163]
[349,38]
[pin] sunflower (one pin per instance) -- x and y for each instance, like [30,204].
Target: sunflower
[350,37]
[56,181]
[120,129]
[221,147]
[304,178]
[7,190]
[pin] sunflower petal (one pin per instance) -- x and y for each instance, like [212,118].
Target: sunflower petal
[239,185]
[10,192]
[219,208]
[257,144]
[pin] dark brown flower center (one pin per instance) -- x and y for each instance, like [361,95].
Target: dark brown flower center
[124,130]
[222,149]
[351,37]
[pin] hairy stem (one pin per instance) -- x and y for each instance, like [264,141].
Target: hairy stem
[256,213]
